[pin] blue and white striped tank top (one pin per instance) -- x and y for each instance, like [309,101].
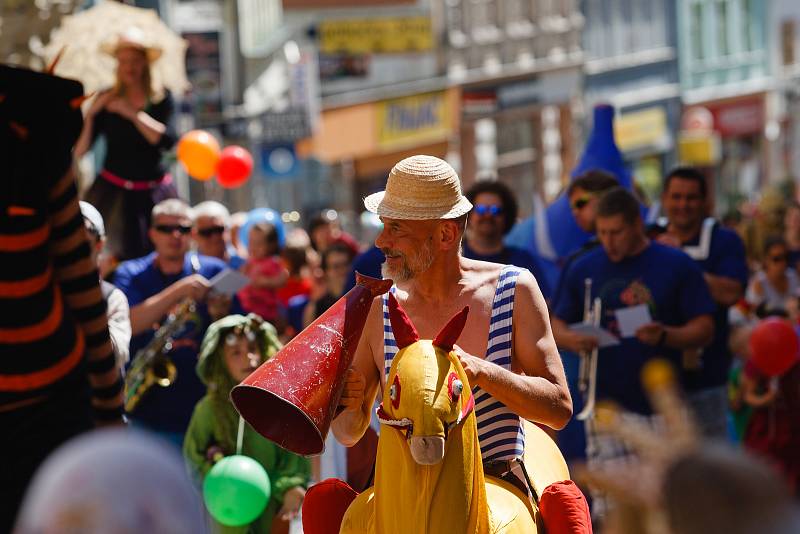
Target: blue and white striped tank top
[500,431]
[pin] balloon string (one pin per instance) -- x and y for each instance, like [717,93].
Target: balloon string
[240,436]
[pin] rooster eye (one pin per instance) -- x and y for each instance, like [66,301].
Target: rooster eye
[394,392]
[458,387]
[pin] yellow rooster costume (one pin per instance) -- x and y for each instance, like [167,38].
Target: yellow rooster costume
[430,476]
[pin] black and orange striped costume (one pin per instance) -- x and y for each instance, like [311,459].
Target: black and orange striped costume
[55,352]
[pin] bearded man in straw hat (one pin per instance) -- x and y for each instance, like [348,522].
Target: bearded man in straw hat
[507,347]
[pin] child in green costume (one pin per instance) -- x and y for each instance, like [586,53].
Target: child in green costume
[232,348]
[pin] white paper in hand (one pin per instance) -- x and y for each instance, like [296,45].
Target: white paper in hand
[228,282]
[631,318]
[604,337]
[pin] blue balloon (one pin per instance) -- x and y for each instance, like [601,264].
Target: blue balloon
[263,215]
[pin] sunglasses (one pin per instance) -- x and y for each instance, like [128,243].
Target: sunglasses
[491,209]
[211,230]
[172,228]
[338,265]
[778,259]
[580,203]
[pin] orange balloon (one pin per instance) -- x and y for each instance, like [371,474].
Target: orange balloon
[198,151]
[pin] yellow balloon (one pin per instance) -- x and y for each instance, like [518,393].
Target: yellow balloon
[199,152]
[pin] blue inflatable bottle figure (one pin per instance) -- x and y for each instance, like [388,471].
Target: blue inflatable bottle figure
[553,235]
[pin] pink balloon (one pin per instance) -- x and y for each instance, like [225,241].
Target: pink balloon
[234,167]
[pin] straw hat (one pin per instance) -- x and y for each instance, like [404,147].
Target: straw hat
[420,188]
[132,38]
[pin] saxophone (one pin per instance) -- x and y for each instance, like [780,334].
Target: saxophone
[151,365]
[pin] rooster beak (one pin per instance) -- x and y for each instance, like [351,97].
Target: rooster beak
[77,102]
[52,67]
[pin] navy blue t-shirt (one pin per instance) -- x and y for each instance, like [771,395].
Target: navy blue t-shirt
[168,409]
[726,257]
[663,278]
[513,256]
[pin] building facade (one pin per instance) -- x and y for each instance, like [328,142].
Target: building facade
[518,66]
[785,54]
[725,69]
[632,63]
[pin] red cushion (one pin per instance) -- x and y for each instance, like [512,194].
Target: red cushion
[564,509]
[324,506]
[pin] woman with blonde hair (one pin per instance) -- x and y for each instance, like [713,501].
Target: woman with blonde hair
[135,121]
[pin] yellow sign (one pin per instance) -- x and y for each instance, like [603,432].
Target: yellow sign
[701,149]
[641,129]
[412,120]
[367,36]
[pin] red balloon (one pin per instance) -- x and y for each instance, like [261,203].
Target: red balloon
[774,346]
[234,167]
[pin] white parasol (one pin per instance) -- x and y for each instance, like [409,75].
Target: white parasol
[84,35]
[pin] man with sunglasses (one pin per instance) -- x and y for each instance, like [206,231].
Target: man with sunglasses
[629,274]
[155,284]
[212,233]
[494,212]
[720,254]
[584,193]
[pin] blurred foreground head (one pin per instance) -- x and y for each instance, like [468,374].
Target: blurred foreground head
[111,481]
[679,483]
[720,489]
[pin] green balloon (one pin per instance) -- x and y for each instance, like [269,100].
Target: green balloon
[236,490]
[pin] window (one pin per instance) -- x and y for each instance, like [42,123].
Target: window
[696,31]
[516,11]
[513,135]
[787,42]
[747,18]
[656,12]
[721,31]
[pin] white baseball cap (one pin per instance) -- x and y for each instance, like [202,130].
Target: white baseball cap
[91,214]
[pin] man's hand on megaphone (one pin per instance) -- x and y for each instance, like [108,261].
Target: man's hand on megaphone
[353,393]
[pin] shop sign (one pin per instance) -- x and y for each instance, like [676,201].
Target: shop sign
[367,36]
[278,160]
[270,127]
[642,129]
[338,4]
[412,120]
[697,118]
[204,71]
[553,88]
[516,94]
[478,102]
[701,149]
[739,118]
[304,86]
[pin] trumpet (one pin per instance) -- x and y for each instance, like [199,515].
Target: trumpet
[587,375]
[151,365]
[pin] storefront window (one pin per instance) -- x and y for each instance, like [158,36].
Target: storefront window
[516,159]
[648,172]
[514,135]
[740,170]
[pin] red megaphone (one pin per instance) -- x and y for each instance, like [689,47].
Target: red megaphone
[292,398]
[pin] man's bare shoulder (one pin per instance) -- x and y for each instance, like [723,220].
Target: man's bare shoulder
[477,272]
[373,328]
